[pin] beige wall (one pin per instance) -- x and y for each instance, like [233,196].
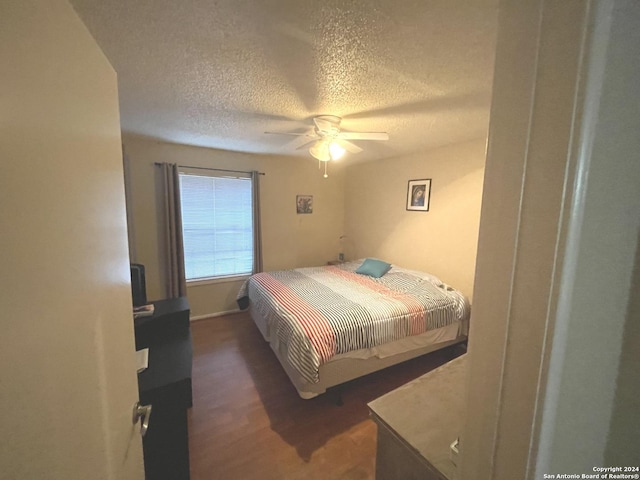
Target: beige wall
[558,236]
[442,241]
[527,165]
[624,434]
[289,240]
[373,195]
[603,244]
[67,353]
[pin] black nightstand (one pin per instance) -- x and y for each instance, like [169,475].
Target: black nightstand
[166,385]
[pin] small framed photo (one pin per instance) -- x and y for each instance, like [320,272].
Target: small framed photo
[304,203]
[418,195]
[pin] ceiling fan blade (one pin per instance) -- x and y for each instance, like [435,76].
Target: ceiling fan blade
[307,144]
[363,135]
[292,133]
[348,146]
[327,123]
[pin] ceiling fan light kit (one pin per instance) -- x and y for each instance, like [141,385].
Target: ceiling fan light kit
[320,150]
[336,151]
[331,143]
[326,150]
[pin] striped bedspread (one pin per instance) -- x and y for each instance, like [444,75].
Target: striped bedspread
[320,312]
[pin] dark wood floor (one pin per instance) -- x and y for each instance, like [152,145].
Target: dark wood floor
[248,422]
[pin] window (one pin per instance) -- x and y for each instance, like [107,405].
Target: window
[217,225]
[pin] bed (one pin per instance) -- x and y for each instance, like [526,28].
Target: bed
[330,324]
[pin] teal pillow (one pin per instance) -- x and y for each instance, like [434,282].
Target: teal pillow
[374,268]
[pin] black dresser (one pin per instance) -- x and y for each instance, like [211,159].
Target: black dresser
[166,385]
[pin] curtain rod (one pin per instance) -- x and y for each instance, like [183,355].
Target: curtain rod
[214,169]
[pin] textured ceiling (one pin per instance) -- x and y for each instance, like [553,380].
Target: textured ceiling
[219,73]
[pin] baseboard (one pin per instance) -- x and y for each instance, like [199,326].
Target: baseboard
[212,315]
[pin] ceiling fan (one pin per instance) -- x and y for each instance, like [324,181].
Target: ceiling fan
[329,142]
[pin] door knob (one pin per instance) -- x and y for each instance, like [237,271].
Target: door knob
[142,412]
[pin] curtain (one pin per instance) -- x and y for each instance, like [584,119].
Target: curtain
[176,284]
[257,228]
[131,226]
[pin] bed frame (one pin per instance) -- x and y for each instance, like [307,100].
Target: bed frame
[345,367]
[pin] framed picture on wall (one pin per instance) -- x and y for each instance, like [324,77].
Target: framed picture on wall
[418,195]
[304,203]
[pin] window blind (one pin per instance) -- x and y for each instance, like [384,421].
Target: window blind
[217,225]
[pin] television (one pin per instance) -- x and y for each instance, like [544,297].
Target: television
[138,285]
